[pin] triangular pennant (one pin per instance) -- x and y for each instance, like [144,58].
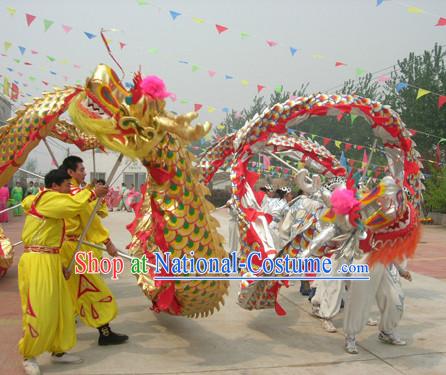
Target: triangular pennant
[422,92]
[244,82]
[45,83]
[29,18]
[66,28]
[7,46]
[339,63]
[77,66]
[441,101]
[278,89]
[318,56]
[400,86]
[211,73]
[142,2]
[353,117]
[293,51]
[260,88]
[228,77]
[326,141]
[122,45]
[11,10]
[32,78]
[338,144]
[340,116]
[347,147]
[195,68]
[22,50]
[89,35]
[221,28]
[197,107]
[271,43]
[360,71]
[184,101]
[51,58]
[379,2]
[174,14]
[441,22]
[17,61]
[225,109]
[383,78]
[211,109]
[47,24]
[415,10]
[365,159]
[244,35]
[198,20]
[153,51]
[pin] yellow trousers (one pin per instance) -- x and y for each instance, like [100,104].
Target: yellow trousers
[48,322]
[92,298]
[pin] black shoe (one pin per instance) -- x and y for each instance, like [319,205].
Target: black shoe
[108,337]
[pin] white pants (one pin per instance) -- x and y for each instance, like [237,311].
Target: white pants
[329,293]
[384,286]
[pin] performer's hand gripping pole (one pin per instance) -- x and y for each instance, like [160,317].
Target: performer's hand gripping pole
[67,271]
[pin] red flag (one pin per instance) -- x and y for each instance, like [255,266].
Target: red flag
[29,18]
[441,22]
[271,43]
[197,107]
[441,101]
[365,159]
[338,64]
[211,73]
[348,147]
[260,88]
[122,45]
[326,141]
[359,148]
[351,162]
[14,92]
[221,28]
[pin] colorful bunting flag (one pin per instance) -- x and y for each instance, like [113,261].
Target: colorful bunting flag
[353,117]
[244,35]
[441,22]
[51,58]
[379,2]
[198,20]
[414,10]
[293,51]
[66,28]
[7,46]
[195,68]
[271,43]
[122,45]
[174,14]
[22,50]
[211,73]
[34,52]
[244,82]
[422,92]
[326,141]
[29,18]
[260,88]
[400,86]
[228,77]
[278,89]
[211,109]
[338,144]
[225,109]
[360,71]
[14,92]
[11,10]
[47,24]
[153,51]
[89,35]
[6,86]
[221,28]
[339,63]
[343,160]
[197,107]
[441,101]
[365,159]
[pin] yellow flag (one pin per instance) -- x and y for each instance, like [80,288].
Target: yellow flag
[245,82]
[6,86]
[414,10]
[211,109]
[422,92]
[198,20]
[221,126]
[338,144]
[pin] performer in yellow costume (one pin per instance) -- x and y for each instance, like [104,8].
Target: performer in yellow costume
[94,302]
[48,324]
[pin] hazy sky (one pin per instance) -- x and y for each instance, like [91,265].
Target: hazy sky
[355,32]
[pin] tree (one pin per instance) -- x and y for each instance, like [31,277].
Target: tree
[427,71]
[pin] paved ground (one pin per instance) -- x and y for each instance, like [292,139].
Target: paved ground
[235,341]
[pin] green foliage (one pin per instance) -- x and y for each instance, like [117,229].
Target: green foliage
[435,194]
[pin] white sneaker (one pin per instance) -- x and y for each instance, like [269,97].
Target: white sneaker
[391,338]
[372,322]
[31,367]
[350,345]
[328,325]
[66,358]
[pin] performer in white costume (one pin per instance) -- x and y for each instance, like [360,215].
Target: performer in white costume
[278,208]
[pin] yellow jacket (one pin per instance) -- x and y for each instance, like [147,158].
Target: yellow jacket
[97,233]
[46,211]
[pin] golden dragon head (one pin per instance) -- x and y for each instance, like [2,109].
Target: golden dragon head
[132,121]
